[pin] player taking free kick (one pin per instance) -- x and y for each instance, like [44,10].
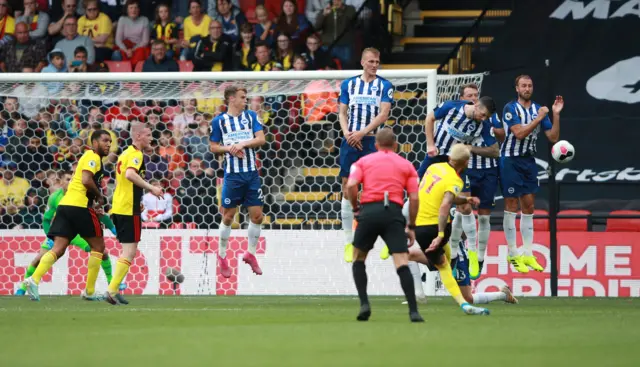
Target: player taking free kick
[126,207]
[76,216]
[236,134]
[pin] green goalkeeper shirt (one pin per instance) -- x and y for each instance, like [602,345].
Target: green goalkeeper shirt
[52,206]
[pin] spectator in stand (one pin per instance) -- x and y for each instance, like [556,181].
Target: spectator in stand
[265,29]
[197,195]
[165,30]
[72,40]
[33,157]
[333,20]
[185,118]
[159,61]
[299,63]
[31,213]
[155,123]
[284,51]
[22,52]
[18,140]
[180,11]
[60,12]
[198,142]
[315,56]
[159,210]
[37,21]
[245,54]
[121,115]
[155,165]
[99,28]
[212,7]
[215,52]
[170,152]
[132,35]
[195,27]
[12,194]
[31,97]
[293,24]
[314,7]
[274,7]
[57,64]
[149,8]
[231,18]
[7,23]
[263,59]
[79,62]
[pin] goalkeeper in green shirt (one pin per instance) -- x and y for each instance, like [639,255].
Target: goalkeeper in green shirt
[78,241]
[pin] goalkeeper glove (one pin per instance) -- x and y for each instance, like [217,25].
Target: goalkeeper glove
[113,230]
[49,243]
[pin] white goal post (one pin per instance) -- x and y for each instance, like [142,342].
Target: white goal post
[46,121]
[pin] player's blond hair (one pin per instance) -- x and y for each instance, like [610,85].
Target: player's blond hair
[372,50]
[459,153]
[136,128]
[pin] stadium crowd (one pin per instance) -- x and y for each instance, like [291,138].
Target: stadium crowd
[40,137]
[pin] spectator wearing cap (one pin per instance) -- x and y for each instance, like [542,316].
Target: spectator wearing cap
[213,53]
[72,40]
[98,27]
[132,35]
[38,21]
[158,61]
[32,53]
[7,23]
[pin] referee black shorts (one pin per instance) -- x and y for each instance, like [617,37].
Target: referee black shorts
[71,221]
[128,227]
[377,220]
[426,234]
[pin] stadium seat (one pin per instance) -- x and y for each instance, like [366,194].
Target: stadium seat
[185,65]
[624,224]
[119,66]
[251,15]
[139,65]
[573,224]
[540,224]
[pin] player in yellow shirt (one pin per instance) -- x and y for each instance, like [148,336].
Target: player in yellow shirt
[439,189]
[77,215]
[126,206]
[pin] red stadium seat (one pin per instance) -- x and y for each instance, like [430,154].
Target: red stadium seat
[185,65]
[573,224]
[139,65]
[251,15]
[623,224]
[540,224]
[119,66]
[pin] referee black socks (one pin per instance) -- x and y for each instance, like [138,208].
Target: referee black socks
[360,278]
[406,281]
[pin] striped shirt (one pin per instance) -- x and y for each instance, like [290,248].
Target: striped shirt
[453,126]
[364,99]
[486,139]
[514,113]
[228,130]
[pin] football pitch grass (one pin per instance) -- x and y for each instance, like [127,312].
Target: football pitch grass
[315,331]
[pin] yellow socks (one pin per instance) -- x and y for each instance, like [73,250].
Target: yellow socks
[122,268]
[46,262]
[450,283]
[95,259]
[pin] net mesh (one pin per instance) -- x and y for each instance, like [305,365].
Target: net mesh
[46,126]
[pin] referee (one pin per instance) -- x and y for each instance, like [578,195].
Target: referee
[384,176]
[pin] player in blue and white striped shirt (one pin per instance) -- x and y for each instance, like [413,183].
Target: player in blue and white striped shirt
[365,102]
[518,169]
[236,134]
[482,174]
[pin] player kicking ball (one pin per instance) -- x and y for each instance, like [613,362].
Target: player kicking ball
[439,189]
[52,206]
[126,206]
[236,134]
[76,216]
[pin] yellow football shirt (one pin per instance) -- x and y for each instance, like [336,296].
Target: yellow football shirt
[190,29]
[77,194]
[95,27]
[439,179]
[127,196]
[14,193]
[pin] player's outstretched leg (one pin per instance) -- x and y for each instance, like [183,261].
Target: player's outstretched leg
[255,225]
[44,248]
[46,262]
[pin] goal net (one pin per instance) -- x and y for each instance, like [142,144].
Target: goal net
[46,122]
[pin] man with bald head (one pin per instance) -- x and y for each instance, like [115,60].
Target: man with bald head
[22,52]
[385,176]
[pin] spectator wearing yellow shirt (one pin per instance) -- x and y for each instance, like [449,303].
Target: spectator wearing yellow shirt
[97,26]
[7,23]
[263,57]
[195,25]
[13,191]
[245,54]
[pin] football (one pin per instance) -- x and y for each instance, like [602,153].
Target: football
[563,151]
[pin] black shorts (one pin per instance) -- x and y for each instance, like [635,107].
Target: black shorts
[71,221]
[128,227]
[426,234]
[377,220]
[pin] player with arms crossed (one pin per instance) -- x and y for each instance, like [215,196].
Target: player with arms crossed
[76,216]
[482,173]
[52,205]
[518,169]
[385,176]
[439,189]
[365,102]
[236,134]
[126,206]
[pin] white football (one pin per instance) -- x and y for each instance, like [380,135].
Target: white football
[563,151]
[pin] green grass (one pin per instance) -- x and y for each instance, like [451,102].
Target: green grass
[315,331]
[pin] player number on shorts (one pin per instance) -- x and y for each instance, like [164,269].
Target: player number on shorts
[435,179]
[260,196]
